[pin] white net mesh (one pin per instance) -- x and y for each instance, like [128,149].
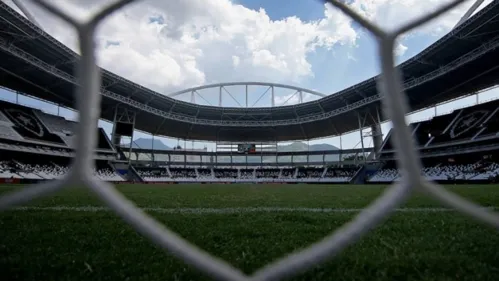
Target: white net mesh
[395,108]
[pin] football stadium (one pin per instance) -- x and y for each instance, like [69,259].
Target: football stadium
[248,207]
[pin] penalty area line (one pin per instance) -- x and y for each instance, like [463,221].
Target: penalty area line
[239,210]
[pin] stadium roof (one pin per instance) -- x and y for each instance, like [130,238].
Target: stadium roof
[460,63]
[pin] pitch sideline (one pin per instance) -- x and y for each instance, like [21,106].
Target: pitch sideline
[94,209]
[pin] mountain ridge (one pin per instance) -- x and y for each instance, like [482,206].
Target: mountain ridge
[149,143]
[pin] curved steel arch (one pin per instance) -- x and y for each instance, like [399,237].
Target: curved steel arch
[26,12]
[247,84]
[469,12]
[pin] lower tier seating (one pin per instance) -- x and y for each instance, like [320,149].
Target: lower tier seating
[49,171]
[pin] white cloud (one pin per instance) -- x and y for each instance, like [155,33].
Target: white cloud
[175,44]
[392,13]
[389,14]
[235,61]
[400,50]
[169,45]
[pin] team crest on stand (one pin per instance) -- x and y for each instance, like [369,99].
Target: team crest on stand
[26,121]
[468,122]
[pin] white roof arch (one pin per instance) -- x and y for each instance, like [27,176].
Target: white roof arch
[267,84]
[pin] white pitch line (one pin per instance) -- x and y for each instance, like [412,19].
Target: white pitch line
[93,209]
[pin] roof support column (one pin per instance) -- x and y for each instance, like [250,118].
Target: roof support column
[361,125]
[377,139]
[123,127]
[308,152]
[152,148]
[115,139]
[377,135]
[272,96]
[246,95]
[340,156]
[220,96]
[193,97]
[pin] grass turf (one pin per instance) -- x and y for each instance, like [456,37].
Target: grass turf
[69,245]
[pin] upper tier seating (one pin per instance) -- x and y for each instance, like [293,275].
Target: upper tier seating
[58,125]
[22,123]
[7,132]
[4,119]
[472,123]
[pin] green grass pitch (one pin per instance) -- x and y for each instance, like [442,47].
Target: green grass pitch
[70,236]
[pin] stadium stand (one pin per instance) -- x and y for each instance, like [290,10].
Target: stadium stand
[466,124]
[287,173]
[267,173]
[154,174]
[6,172]
[21,123]
[26,124]
[307,173]
[205,173]
[257,174]
[30,168]
[340,175]
[470,131]
[443,170]
[462,172]
[183,174]
[247,173]
[473,123]
[226,173]
[25,131]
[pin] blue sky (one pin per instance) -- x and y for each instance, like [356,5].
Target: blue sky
[306,10]
[300,42]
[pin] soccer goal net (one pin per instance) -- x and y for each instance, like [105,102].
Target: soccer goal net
[395,108]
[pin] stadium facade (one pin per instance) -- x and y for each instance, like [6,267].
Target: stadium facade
[459,64]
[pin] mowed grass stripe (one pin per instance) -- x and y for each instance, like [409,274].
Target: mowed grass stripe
[233,210]
[72,235]
[248,196]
